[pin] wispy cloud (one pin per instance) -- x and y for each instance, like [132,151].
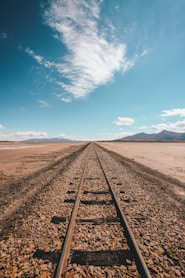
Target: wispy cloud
[39,59]
[178,126]
[43,103]
[94,53]
[93,50]
[124,121]
[30,134]
[64,97]
[145,52]
[174,112]
[23,135]
[1,126]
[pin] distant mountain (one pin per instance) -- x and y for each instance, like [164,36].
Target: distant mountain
[57,139]
[161,136]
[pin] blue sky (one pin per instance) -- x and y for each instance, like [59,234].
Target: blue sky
[91,70]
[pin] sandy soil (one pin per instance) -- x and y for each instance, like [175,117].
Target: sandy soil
[21,159]
[154,204]
[168,158]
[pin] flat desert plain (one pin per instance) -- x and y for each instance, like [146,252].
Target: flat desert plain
[166,157]
[21,159]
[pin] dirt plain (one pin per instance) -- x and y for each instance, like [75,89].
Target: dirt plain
[21,159]
[18,160]
[30,184]
[167,158]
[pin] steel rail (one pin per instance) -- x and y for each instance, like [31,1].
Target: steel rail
[142,267]
[66,246]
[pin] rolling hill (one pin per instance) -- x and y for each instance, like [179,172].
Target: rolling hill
[161,136]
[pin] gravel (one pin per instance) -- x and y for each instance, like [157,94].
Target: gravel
[31,243]
[154,212]
[33,235]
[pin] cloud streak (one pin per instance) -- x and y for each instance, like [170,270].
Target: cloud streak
[93,53]
[23,135]
[64,98]
[178,126]
[92,57]
[43,103]
[174,112]
[39,59]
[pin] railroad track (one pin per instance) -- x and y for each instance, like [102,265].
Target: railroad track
[34,236]
[16,194]
[98,241]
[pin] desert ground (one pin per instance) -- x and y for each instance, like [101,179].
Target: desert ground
[168,158]
[21,159]
[36,177]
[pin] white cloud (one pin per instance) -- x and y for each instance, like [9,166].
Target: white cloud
[43,103]
[1,126]
[124,121]
[178,126]
[94,52]
[63,96]
[145,52]
[38,58]
[66,99]
[23,135]
[92,58]
[174,112]
[30,134]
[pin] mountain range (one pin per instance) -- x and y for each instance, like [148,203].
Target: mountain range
[161,136]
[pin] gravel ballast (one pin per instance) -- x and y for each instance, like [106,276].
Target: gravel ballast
[33,234]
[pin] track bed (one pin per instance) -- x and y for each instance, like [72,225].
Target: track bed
[34,234]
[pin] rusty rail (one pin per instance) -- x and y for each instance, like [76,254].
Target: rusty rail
[66,247]
[142,267]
